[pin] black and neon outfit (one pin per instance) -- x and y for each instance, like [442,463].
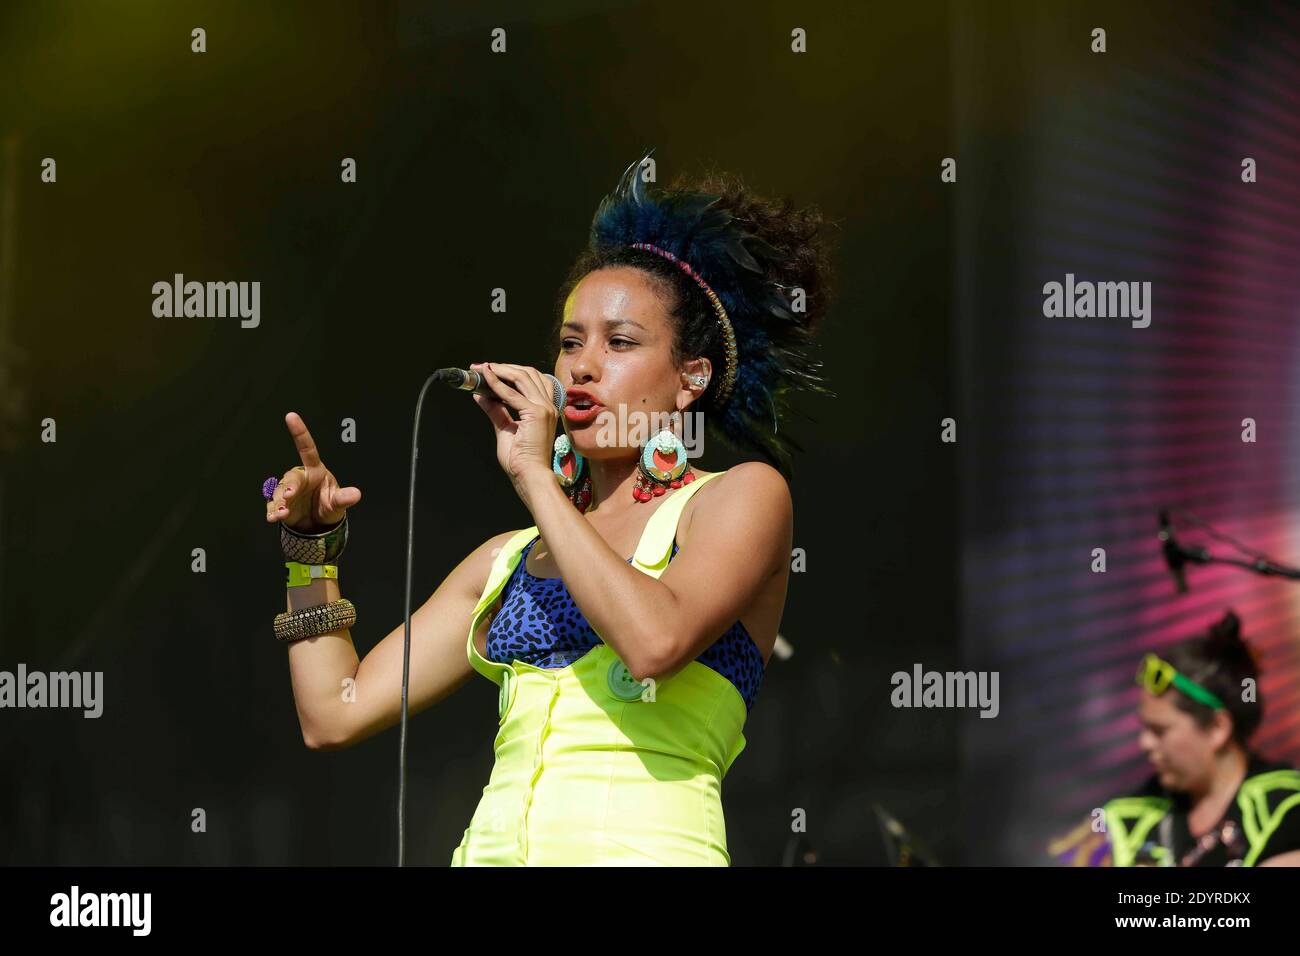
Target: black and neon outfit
[1151,825]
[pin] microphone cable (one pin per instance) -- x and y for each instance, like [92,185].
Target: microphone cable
[456,378]
[406,633]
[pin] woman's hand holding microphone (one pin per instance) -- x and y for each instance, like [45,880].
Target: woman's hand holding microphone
[524,447]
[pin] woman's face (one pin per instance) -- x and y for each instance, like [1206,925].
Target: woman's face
[1181,750]
[616,343]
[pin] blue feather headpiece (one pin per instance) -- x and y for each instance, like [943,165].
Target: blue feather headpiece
[757,327]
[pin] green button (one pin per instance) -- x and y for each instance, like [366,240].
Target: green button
[622,684]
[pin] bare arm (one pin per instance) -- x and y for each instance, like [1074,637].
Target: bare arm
[342,700]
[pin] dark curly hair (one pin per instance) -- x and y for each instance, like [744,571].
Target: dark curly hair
[769,261]
[1220,661]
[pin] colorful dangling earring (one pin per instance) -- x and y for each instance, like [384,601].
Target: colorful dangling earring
[571,471]
[663,465]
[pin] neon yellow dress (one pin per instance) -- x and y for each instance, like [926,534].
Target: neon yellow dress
[592,768]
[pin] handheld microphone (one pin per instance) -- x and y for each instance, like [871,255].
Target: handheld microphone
[471,381]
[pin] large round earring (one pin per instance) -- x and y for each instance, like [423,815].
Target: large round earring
[572,473]
[663,465]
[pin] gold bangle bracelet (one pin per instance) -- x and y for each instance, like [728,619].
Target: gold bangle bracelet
[315,620]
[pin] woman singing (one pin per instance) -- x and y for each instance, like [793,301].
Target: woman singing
[629,628]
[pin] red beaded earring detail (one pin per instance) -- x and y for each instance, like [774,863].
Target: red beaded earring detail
[571,472]
[663,465]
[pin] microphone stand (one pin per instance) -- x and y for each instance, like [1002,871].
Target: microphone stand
[1176,555]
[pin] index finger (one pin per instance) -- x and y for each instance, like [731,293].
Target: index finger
[521,377]
[302,438]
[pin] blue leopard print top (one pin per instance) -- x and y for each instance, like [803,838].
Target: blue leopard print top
[540,624]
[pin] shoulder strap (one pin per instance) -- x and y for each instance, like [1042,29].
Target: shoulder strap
[656,544]
[1128,821]
[504,565]
[1260,815]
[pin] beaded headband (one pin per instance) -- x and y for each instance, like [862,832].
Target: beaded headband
[729,335]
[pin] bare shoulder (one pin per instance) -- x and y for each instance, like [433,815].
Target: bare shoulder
[757,477]
[756,481]
[750,490]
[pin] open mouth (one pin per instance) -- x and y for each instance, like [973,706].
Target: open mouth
[581,410]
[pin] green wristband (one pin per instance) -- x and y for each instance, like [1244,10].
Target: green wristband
[299,574]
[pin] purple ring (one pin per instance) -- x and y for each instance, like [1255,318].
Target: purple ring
[268,487]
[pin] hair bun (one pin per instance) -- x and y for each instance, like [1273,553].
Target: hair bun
[1225,641]
[1227,629]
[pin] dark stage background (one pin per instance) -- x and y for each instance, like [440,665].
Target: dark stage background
[474,172]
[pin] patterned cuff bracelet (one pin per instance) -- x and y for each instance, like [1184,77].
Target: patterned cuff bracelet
[323,548]
[315,620]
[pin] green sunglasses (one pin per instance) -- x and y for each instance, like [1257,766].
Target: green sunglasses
[1158,676]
